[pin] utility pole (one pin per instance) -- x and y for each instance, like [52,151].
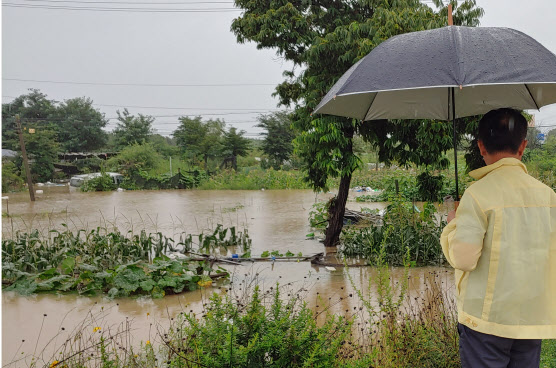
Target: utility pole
[25,160]
[450,18]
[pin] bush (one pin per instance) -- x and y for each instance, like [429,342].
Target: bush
[135,158]
[102,183]
[258,332]
[416,233]
[11,181]
[429,187]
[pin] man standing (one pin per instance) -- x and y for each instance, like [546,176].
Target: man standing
[502,244]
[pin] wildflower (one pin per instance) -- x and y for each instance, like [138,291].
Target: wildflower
[96,329]
[148,342]
[54,363]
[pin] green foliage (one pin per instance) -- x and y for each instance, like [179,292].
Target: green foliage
[541,162]
[132,130]
[318,216]
[143,180]
[548,354]
[80,125]
[166,146]
[42,149]
[429,187]
[264,330]
[417,234]
[235,144]
[11,179]
[255,179]
[199,140]
[135,158]
[102,183]
[326,39]
[219,238]
[110,262]
[33,108]
[278,137]
[162,276]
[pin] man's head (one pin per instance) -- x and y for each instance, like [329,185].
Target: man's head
[502,134]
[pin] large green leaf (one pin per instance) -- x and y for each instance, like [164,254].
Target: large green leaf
[168,281]
[147,285]
[129,279]
[68,265]
[23,286]
[52,283]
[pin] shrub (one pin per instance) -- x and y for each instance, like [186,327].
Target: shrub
[11,181]
[102,183]
[135,158]
[417,232]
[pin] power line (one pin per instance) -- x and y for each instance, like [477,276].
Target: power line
[128,10]
[254,109]
[139,84]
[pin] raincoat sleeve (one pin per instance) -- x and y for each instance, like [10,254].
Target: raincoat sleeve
[462,239]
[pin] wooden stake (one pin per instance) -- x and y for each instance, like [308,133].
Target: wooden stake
[450,18]
[25,160]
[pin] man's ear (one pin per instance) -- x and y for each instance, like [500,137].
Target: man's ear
[521,148]
[482,148]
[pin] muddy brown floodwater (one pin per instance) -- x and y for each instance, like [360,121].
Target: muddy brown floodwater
[276,220]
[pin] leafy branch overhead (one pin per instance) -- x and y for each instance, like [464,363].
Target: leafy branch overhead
[323,39]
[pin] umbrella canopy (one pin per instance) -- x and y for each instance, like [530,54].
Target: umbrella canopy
[445,73]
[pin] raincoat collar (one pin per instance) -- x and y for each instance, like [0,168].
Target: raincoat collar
[508,161]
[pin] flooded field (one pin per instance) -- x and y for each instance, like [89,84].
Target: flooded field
[276,220]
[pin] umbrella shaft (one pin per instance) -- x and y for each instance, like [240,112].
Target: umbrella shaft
[455,142]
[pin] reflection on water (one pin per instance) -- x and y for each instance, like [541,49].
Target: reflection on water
[277,220]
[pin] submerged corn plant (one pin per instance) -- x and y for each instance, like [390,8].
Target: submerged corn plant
[110,262]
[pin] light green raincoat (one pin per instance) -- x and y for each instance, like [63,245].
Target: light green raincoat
[502,244]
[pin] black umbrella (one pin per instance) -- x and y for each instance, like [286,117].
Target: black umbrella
[444,74]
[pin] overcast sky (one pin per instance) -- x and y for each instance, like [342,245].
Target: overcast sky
[194,50]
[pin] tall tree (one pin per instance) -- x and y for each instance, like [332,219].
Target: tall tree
[80,125]
[235,144]
[33,107]
[199,140]
[35,111]
[323,38]
[132,129]
[278,137]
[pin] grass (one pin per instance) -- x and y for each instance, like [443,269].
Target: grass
[548,354]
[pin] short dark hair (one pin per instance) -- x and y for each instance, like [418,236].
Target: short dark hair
[502,130]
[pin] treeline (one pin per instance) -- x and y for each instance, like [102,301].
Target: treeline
[75,125]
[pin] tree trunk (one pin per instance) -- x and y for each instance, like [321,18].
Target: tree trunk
[337,207]
[336,213]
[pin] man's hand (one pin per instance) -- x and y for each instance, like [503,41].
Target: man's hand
[451,215]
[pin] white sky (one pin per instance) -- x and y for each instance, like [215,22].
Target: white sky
[176,48]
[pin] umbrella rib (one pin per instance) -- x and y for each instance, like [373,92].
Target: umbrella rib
[533,98]
[370,105]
